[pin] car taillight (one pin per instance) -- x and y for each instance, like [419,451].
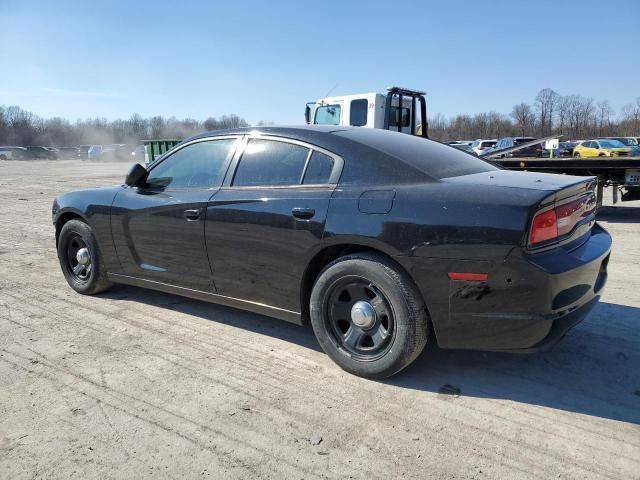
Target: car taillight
[560,220]
[544,227]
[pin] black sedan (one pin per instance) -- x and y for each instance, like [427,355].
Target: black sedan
[381,240]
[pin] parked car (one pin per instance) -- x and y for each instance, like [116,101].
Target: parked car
[464,147]
[481,146]
[68,153]
[626,141]
[94,152]
[634,151]
[138,154]
[508,142]
[601,148]
[12,153]
[41,153]
[381,240]
[84,152]
[565,149]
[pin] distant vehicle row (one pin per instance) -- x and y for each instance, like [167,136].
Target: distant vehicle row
[597,147]
[117,152]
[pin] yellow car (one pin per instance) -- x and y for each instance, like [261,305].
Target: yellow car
[601,148]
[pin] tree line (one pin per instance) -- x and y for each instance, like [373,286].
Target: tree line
[574,116]
[21,127]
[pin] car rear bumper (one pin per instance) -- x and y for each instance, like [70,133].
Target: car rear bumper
[528,302]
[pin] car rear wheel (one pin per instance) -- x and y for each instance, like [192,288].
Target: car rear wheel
[80,258]
[368,316]
[576,155]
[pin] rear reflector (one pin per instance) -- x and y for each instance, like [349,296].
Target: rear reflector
[468,276]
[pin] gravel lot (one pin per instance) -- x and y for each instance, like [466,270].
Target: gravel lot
[134,383]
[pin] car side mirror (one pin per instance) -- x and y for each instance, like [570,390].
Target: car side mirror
[307,114]
[597,147]
[136,175]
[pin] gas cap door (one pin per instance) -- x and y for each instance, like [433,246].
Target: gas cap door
[376,201]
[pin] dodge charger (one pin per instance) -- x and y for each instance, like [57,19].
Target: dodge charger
[380,240]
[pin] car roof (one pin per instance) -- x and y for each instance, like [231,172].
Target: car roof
[285,131]
[373,149]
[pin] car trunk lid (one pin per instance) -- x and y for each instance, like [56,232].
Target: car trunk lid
[562,208]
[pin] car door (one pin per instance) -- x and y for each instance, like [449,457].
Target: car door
[268,217]
[588,150]
[158,228]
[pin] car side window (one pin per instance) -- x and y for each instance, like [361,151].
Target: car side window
[319,169]
[199,165]
[270,163]
[358,112]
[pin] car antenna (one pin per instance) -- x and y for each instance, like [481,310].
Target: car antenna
[330,90]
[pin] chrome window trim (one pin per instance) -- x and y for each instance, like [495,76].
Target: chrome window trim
[338,163]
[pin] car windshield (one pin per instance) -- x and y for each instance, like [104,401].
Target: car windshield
[611,144]
[327,115]
[629,142]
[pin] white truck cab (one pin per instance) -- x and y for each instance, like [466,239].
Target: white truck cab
[372,110]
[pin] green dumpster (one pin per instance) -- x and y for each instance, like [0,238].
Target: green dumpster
[155,148]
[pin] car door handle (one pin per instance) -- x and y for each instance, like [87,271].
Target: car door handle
[304,213]
[192,215]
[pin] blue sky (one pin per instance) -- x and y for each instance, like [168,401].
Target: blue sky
[265,60]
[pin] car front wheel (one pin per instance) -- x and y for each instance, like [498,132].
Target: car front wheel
[80,258]
[368,316]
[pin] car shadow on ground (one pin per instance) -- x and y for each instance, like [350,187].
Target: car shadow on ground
[619,214]
[253,322]
[594,370]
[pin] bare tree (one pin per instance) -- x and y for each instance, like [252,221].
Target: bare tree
[630,124]
[545,103]
[524,117]
[604,113]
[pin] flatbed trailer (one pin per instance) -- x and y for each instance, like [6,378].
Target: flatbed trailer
[622,174]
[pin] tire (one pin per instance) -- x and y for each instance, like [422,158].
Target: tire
[3,157]
[576,155]
[380,340]
[91,277]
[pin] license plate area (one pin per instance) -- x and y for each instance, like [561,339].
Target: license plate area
[632,176]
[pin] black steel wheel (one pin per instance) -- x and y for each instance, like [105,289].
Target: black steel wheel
[360,318]
[80,258]
[368,315]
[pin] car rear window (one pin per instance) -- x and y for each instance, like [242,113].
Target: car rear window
[433,158]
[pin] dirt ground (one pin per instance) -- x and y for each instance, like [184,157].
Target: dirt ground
[135,383]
